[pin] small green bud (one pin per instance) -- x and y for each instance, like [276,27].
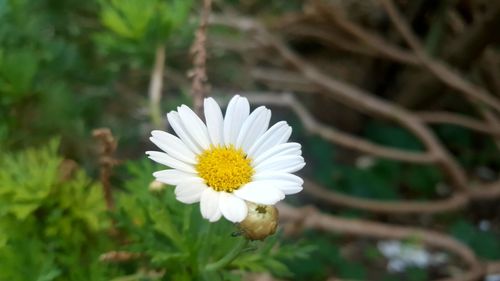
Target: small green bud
[261,221]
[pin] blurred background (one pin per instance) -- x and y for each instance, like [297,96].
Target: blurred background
[396,104]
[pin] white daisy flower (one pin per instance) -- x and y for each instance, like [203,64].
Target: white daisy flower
[229,160]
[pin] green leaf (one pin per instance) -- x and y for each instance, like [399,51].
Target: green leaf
[163,223]
[128,18]
[484,243]
[393,136]
[17,71]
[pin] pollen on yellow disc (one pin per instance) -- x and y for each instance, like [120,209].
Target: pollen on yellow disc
[224,168]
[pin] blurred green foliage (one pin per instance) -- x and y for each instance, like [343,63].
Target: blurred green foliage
[60,63]
[54,226]
[134,28]
[41,58]
[51,222]
[484,242]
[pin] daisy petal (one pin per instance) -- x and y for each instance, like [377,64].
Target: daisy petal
[289,148]
[175,121]
[260,193]
[169,161]
[233,208]
[189,192]
[209,204]
[291,189]
[253,127]
[236,113]
[173,146]
[194,126]
[176,177]
[287,163]
[277,134]
[289,179]
[216,216]
[287,187]
[215,121]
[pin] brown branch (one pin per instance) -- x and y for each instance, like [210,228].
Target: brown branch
[490,71]
[461,52]
[282,79]
[330,39]
[361,100]
[459,120]
[108,146]
[335,136]
[476,38]
[199,52]
[489,191]
[493,267]
[455,202]
[375,42]
[439,69]
[492,120]
[311,218]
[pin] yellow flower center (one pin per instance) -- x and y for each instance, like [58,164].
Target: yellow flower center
[224,168]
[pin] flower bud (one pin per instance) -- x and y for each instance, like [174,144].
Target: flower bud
[261,221]
[156,186]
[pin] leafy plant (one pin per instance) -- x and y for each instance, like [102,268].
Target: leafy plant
[170,235]
[484,243]
[52,218]
[137,27]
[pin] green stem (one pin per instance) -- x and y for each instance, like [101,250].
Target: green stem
[229,257]
[155,86]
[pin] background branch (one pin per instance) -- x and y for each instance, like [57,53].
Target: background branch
[439,69]
[107,147]
[335,136]
[372,40]
[199,53]
[455,202]
[442,117]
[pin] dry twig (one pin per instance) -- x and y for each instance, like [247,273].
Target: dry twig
[461,52]
[108,146]
[199,52]
[363,101]
[442,71]
[338,137]
[459,120]
[370,39]
[455,202]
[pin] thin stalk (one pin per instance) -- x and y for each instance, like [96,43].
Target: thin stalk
[229,257]
[155,86]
